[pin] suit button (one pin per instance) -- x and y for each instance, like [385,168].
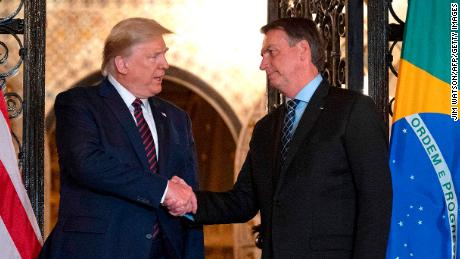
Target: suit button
[277,203]
[149,236]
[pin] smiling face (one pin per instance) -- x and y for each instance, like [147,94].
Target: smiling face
[287,67]
[142,70]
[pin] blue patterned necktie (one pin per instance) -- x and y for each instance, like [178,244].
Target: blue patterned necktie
[146,136]
[288,128]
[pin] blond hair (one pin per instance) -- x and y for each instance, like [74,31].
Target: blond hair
[126,34]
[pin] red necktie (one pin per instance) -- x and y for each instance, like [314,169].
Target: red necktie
[149,146]
[146,136]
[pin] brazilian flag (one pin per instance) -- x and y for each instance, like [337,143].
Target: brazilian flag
[425,135]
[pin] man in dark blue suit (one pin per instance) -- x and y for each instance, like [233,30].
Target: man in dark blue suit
[118,145]
[317,167]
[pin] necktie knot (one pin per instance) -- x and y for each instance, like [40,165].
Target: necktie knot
[292,104]
[137,103]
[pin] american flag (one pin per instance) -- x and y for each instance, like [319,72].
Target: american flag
[20,235]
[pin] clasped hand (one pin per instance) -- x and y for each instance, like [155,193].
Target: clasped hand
[180,198]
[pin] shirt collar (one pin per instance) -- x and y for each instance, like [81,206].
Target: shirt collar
[125,94]
[309,89]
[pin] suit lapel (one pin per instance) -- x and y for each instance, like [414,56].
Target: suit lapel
[277,144]
[163,132]
[122,113]
[306,123]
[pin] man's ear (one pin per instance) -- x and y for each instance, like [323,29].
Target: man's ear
[305,50]
[121,65]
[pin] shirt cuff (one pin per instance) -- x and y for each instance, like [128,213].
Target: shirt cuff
[164,194]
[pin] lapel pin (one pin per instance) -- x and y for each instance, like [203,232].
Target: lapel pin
[321,108]
[164,114]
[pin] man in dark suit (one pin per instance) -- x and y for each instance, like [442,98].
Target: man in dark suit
[317,168]
[118,145]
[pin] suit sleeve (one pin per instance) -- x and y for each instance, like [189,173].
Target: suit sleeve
[367,149]
[88,161]
[234,206]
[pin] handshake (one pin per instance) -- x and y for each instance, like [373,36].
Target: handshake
[180,198]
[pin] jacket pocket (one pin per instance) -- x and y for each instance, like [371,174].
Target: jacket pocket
[85,225]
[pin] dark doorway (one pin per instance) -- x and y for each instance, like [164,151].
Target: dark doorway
[216,155]
[214,143]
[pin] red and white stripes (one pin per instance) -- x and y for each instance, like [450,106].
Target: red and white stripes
[19,232]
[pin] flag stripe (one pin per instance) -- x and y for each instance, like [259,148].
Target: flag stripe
[3,110]
[8,157]
[411,81]
[15,209]
[6,241]
[22,234]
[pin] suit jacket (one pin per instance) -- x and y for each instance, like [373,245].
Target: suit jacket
[109,199]
[333,197]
